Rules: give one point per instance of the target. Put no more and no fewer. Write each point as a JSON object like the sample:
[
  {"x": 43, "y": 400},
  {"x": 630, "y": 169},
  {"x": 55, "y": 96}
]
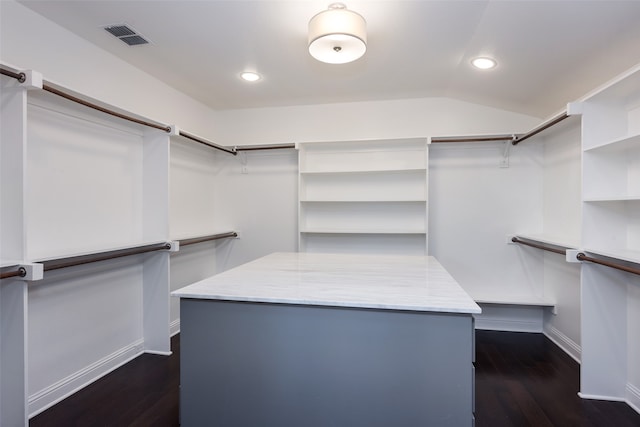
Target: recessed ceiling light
[
  {"x": 484, "y": 63},
  {"x": 250, "y": 76}
]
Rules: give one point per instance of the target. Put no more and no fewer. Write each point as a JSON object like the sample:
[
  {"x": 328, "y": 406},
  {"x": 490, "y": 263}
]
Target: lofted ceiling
[{"x": 548, "y": 52}]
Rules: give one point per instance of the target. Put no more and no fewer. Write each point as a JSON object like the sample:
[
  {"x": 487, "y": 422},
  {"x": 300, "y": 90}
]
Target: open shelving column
[
  {"x": 611, "y": 228},
  {"x": 364, "y": 196}
]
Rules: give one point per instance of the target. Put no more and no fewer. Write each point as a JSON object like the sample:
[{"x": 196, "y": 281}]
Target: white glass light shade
[
  {"x": 484, "y": 63},
  {"x": 337, "y": 35}
]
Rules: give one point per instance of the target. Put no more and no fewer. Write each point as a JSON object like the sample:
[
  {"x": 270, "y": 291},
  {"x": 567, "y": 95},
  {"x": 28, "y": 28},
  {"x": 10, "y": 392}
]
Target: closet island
[{"x": 326, "y": 339}]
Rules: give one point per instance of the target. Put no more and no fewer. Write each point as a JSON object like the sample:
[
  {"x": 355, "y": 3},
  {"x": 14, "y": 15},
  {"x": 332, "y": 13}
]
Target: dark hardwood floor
[{"x": 521, "y": 380}]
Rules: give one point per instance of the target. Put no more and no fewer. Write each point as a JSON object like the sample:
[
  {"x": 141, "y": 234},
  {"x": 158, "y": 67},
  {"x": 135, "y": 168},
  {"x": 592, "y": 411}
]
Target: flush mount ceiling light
[
  {"x": 337, "y": 35},
  {"x": 484, "y": 63},
  {"x": 250, "y": 76}
]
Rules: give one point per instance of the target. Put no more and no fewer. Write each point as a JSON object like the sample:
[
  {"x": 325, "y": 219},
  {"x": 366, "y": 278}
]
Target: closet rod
[
  {"x": 582, "y": 257},
  {"x": 207, "y": 143},
  {"x": 21, "y": 77},
  {"x": 473, "y": 138},
  {"x": 56, "y": 263},
  {"x": 20, "y": 272},
  {"x": 211, "y": 237},
  {"x": 537, "y": 130},
  {"x": 75, "y": 99},
  {"x": 535, "y": 245},
  {"x": 264, "y": 147}
]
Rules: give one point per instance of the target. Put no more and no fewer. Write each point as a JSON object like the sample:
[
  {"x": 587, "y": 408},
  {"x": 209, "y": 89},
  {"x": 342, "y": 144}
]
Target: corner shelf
[{"x": 354, "y": 193}]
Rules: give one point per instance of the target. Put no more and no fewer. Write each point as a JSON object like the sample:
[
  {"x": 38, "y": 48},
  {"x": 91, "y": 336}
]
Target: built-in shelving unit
[
  {"x": 610, "y": 228},
  {"x": 85, "y": 198},
  {"x": 363, "y": 196}
]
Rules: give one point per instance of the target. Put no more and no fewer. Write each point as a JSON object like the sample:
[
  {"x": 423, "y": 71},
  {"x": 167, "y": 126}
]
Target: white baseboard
[
  {"x": 49, "y": 396},
  {"x": 564, "y": 342},
  {"x": 602, "y": 397},
  {"x": 633, "y": 397},
  {"x": 174, "y": 327}
]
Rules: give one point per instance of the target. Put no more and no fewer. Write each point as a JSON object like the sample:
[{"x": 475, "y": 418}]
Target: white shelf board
[
  {"x": 619, "y": 144},
  {"x": 620, "y": 254},
  {"x": 564, "y": 241},
  {"x": 625, "y": 198},
  {"x": 515, "y": 300},
  {"x": 362, "y": 171},
  {"x": 361, "y": 231},
  {"x": 364, "y": 201},
  {"x": 4, "y": 263}
]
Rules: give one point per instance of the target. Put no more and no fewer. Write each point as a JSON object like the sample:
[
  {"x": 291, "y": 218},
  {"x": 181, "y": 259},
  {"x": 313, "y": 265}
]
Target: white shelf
[
  {"x": 618, "y": 144},
  {"x": 9, "y": 263},
  {"x": 361, "y": 231},
  {"x": 622, "y": 198},
  {"x": 515, "y": 300},
  {"x": 363, "y": 171},
  {"x": 388, "y": 200}
]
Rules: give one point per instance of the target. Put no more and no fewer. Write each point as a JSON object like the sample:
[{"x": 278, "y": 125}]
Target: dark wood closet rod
[
  {"x": 537, "y": 246},
  {"x": 264, "y": 147},
  {"x": 21, "y": 77},
  {"x": 192, "y": 241},
  {"x": 20, "y": 272},
  {"x": 472, "y": 138},
  {"x": 537, "y": 130},
  {"x": 515, "y": 139},
  {"x": 75, "y": 99},
  {"x": 207, "y": 143},
  {"x": 56, "y": 263},
  {"x": 582, "y": 257}
]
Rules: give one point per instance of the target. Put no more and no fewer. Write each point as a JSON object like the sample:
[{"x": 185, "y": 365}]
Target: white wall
[
  {"x": 368, "y": 120},
  {"x": 29, "y": 41},
  {"x": 262, "y": 204},
  {"x": 474, "y": 205}
]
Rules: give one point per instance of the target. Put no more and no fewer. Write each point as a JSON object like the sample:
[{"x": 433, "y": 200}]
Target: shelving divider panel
[
  {"x": 155, "y": 267},
  {"x": 13, "y": 291}
]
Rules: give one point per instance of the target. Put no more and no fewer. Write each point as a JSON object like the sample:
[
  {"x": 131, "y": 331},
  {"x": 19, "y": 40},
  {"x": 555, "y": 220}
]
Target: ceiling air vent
[{"x": 126, "y": 34}]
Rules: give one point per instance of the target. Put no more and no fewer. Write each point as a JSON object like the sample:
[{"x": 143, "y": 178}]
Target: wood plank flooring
[{"x": 521, "y": 380}]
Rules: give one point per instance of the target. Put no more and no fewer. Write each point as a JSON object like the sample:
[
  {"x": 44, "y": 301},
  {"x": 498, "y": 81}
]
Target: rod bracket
[
  {"x": 174, "y": 246},
  {"x": 32, "y": 80},
  {"x": 174, "y": 130},
  {"x": 572, "y": 255},
  {"x": 504, "y": 162},
  {"x": 33, "y": 271}
]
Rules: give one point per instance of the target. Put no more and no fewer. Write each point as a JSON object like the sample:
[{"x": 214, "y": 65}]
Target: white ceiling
[{"x": 549, "y": 52}]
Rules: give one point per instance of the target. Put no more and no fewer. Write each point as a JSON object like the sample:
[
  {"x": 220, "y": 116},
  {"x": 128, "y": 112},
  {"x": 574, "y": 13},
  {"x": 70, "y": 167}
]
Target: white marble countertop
[{"x": 394, "y": 282}]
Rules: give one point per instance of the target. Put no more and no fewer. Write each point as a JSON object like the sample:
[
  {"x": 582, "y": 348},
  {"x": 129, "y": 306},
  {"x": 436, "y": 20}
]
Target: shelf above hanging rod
[{"x": 211, "y": 237}]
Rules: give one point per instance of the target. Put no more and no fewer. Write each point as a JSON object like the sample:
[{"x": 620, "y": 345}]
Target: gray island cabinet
[{"x": 304, "y": 339}]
